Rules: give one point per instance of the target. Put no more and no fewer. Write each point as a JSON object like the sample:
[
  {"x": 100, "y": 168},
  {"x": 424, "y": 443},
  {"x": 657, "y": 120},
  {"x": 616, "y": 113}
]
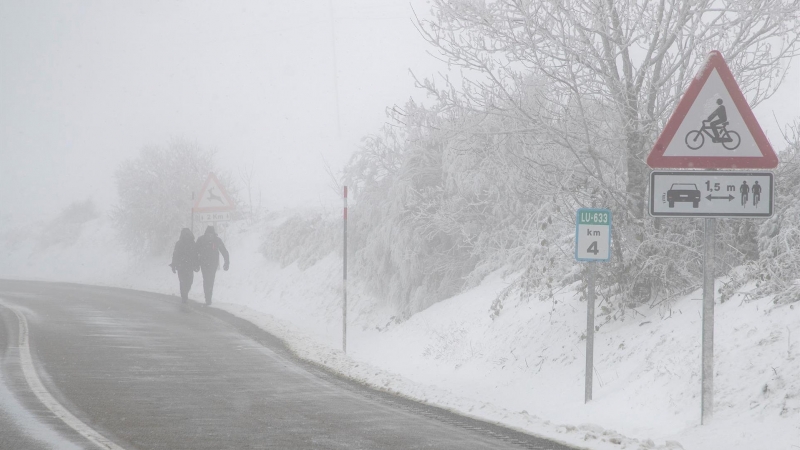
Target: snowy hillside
[{"x": 518, "y": 361}]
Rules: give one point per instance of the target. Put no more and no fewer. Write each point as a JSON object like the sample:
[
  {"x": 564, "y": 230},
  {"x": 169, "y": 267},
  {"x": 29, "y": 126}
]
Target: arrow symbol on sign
[{"x": 711, "y": 197}]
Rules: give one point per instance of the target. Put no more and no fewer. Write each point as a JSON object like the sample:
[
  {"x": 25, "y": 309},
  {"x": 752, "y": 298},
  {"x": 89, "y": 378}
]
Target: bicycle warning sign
[{"x": 713, "y": 127}]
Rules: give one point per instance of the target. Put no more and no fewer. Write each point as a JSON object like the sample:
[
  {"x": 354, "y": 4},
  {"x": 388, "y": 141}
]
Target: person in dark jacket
[
  {"x": 184, "y": 262},
  {"x": 209, "y": 246}
]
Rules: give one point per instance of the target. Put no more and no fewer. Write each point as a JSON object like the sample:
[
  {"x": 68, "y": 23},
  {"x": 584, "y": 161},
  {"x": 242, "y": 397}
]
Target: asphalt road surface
[{"x": 102, "y": 368}]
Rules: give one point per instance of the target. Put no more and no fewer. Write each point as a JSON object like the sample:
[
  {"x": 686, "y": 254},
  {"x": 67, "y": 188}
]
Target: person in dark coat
[
  {"x": 184, "y": 262},
  {"x": 209, "y": 246}
]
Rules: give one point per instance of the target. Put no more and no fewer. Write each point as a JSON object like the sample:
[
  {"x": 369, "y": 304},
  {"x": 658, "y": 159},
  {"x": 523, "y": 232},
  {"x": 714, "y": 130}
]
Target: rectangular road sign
[
  {"x": 214, "y": 216},
  {"x": 593, "y": 235},
  {"x": 711, "y": 194}
]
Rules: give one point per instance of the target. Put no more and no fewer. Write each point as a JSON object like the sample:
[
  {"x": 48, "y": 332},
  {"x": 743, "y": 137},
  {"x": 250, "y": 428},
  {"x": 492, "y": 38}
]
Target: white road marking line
[{"x": 44, "y": 395}]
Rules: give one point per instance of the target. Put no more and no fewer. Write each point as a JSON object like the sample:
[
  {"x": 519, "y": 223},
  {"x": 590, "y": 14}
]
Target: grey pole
[
  {"x": 589, "y": 331},
  {"x": 707, "y": 405}
]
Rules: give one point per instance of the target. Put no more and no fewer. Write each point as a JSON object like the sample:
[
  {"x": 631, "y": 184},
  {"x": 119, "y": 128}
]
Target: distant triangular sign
[
  {"x": 213, "y": 197},
  {"x": 712, "y": 127}
]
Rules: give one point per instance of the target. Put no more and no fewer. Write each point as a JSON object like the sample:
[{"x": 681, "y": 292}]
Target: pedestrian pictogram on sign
[
  {"x": 213, "y": 197},
  {"x": 713, "y": 127},
  {"x": 694, "y": 193}
]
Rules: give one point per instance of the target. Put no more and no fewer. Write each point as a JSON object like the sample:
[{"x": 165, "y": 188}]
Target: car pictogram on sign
[{"x": 683, "y": 192}]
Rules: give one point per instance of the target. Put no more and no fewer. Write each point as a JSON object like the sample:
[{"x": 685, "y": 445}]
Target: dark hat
[{"x": 187, "y": 234}]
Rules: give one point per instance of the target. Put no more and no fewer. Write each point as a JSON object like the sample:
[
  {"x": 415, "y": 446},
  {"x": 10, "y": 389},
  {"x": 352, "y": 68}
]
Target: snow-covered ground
[{"x": 523, "y": 368}]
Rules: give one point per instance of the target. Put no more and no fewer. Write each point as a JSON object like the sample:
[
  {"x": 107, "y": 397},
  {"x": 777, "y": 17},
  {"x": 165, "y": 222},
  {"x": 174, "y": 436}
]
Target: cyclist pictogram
[
  {"x": 715, "y": 127},
  {"x": 744, "y": 189},
  {"x": 756, "y": 193}
]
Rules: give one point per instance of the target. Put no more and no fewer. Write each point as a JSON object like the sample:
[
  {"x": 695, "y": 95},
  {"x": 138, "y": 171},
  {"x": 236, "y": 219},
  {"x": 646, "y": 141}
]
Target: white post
[
  {"x": 707, "y": 394},
  {"x": 344, "y": 277}
]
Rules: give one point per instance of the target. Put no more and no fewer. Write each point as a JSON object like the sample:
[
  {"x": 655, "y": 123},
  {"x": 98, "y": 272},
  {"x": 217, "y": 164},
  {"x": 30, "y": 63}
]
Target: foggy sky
[{"x": 85, "y": 85}]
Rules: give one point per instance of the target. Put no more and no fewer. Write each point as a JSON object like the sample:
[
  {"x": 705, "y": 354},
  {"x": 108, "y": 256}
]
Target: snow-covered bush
[
  {"x": 436, "y": 211},
  {"x": 302, "y": 238},
  {"x": 777, "y": 270},
  {"x": 155, "y": 193},
  {"x": 406, "y": 248}
]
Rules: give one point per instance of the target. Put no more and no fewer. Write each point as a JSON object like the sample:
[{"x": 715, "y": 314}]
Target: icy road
[{"x": 88, "y": 367}]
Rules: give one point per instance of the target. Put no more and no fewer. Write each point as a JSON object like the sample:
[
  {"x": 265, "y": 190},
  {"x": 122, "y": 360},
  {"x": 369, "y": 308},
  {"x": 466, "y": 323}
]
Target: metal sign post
[
  {"x": 589, "y": 382},
  {"x": 592, "y": 243},
  {"x": 707, "y": 381},
  {"x": 344, "y": 277}
]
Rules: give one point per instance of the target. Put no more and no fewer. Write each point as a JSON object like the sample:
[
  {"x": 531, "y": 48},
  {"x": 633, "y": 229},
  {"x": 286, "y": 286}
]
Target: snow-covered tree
[
  {"x": 556, "y": 106},
  {"x": 777, "y": 271},
  {"x": 155, "y": 193},
  {"x": 613, "y": 69}
]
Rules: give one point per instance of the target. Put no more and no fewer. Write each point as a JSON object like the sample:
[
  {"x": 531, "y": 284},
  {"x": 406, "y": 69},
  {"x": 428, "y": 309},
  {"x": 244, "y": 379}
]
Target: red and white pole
[{"x": 344, "y": 278}]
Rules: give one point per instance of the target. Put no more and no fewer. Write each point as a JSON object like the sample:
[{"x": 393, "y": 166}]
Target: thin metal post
[
  {"x": 707, "y": 394},
  {"x": 191, "y": 221},
  {"x": 344, "y": 278},
  {"x": 589, "y": 331}
]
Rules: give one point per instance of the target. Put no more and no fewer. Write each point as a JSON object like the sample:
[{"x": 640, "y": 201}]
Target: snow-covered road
[{"x": 123, "y": 369}]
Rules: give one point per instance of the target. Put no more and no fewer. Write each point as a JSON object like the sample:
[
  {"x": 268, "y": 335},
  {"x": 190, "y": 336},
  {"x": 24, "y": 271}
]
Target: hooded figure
[
  {"x": 184, "y": 262},
  {"x": 209, "y": 246}
]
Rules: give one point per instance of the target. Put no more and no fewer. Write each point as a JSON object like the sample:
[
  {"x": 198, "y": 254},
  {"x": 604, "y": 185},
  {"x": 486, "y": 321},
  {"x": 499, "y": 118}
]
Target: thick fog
[
  {"x": 459, "y": 280},
  {"x": 86, "y": 85},
  {"x": 283, "y": 87}
]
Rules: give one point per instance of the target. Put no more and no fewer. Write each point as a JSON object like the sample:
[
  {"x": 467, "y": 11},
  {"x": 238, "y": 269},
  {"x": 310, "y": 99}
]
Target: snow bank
[{"x": 522, "y": 368}]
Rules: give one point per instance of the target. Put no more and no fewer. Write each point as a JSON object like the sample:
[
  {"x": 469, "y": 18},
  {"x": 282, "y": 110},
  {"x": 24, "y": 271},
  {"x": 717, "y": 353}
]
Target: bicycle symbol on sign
[{"x": 714, "y": 127}]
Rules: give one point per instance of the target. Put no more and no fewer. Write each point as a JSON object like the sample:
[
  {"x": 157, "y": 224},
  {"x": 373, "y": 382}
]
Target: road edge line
[{"x": 44, "y": 396}]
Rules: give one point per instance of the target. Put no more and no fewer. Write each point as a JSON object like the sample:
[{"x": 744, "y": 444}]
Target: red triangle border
[
  {"x": 656, "y": 158},
  {"x": 196, "y": 208}
]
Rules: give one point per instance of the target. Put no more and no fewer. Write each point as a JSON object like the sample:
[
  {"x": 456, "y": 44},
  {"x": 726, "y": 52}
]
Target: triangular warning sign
[
  {"x": 213, "y": 197},
  {"x": 712, "y": 127}
]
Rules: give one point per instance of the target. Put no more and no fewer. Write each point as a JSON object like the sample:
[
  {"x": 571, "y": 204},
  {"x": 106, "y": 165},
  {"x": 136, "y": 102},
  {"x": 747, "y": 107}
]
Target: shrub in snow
[
  {"x": 412, "y": 239},
  {"x": 302, "y": 238},
  {"x": 777, "y": 270}
]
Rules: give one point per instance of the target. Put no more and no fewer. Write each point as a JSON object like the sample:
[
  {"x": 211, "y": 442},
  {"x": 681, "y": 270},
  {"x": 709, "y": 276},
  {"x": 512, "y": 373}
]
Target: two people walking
[{"x": 190, "y": 256}]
